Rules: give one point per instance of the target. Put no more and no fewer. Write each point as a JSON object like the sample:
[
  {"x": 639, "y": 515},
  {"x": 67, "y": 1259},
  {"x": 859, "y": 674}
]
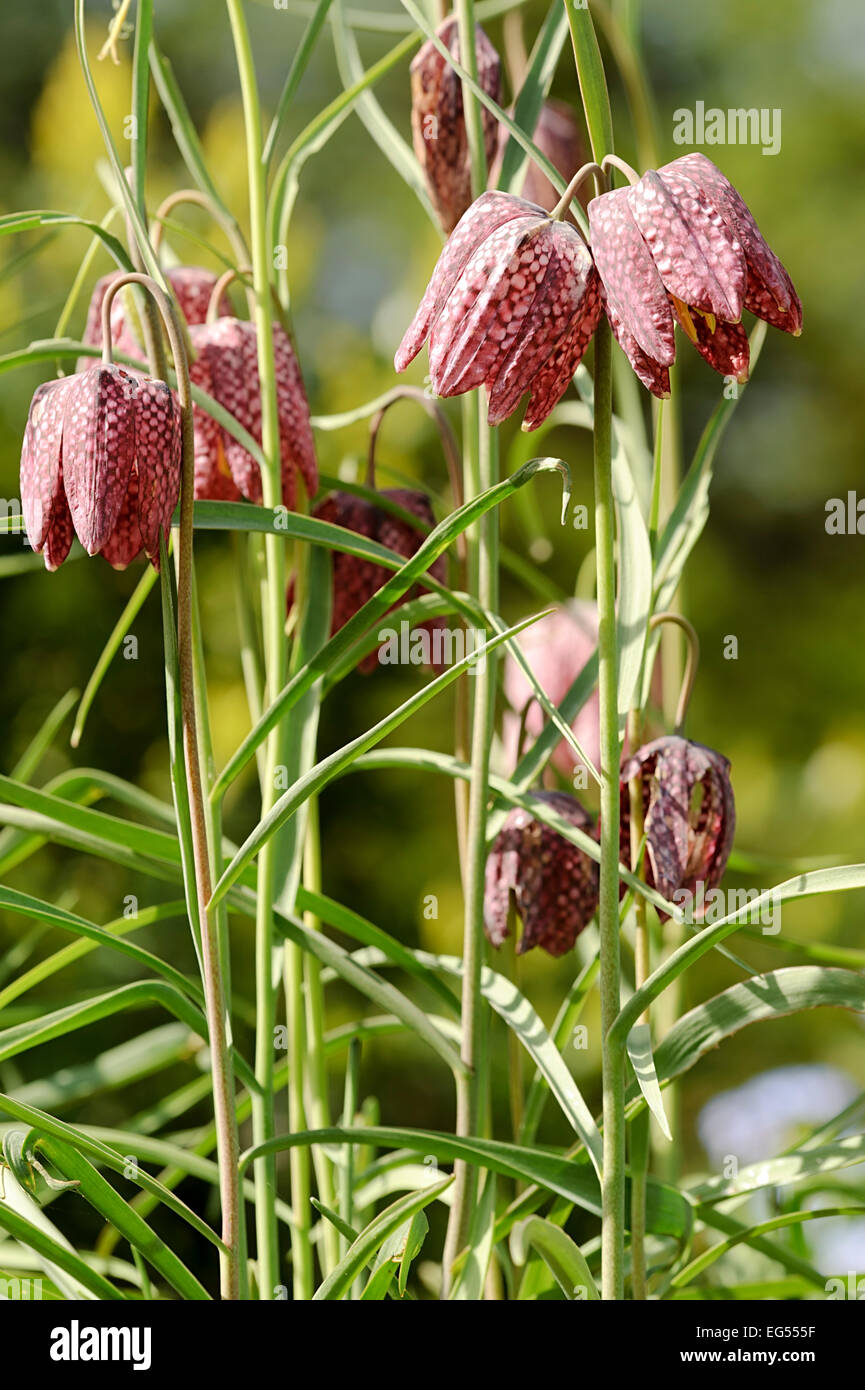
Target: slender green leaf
[
  {"x": 562, "y": 1256},
  {"x": 100, "y": 1194},
  {"x": 370, "y": 1240}
]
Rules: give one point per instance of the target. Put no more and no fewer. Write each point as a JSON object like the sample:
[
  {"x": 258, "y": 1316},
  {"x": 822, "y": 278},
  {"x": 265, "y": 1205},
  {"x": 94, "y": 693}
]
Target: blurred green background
[{"x": 788, "y": 712}]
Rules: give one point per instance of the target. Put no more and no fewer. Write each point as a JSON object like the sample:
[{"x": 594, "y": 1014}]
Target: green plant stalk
[
  {"x": 639, "y": 1131},
  {"x": 471, "y": 1090},
  {"x": 312, "y": 609},
  {"x": 480, "y": 471},
  {"x": 613, "y": 1187},
  {"x": 351, "y": 1096},
  {"x": 213, "y": 979},
  {"x": 275, "y": 647},
  {"x": 319, "y": 1101},
  {"x": 465, "y": 12}
]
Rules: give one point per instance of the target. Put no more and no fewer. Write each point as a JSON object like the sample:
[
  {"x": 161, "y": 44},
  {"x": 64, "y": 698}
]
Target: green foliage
[{"x": 384, "y": 1026}]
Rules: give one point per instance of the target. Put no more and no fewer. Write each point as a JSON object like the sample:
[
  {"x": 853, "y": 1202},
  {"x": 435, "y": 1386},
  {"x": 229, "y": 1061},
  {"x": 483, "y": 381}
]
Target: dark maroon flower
[
  {"x": 192, "y": 287},
  {"x": 512, "y": 305},
  {"x": 682, "y": 246},
  {"x": 438, "y": 123},
  {"x": 226, "y": 367},
  {"x": 555, "y": 884},
  {"x": 101, "y": 458},
  {"x": 689, "y": 832},
  {"x": 356, "y": 580}
]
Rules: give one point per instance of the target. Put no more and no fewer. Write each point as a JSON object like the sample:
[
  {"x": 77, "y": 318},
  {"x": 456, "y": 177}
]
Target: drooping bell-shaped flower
[
  {"x": 438, "y": 121},
  {"x": 192, "y": 287},
  {"x": 682, "y": 246},
  {"x": 226, "y": 367},
  {"x": 100, "y": 460},
  {"x": 556, "y": 648},
  {"x": 689, "y": 815},
  {"x": 512, "y": 304},
  {"x": 355, "y": 580},
  {"x": 553, "y": 882}
]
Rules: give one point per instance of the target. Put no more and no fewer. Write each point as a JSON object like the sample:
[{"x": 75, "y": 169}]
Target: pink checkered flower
[
  {"x": 688, "y": 838},
  {"x": 682, "y": 246},
  {"x": 553, "y": 882},
  {"x": 512, "y": 305},
  {"x": 438, "y": 122},
  {"x": 226, "y": 367},
  {"x": 100, "y": 460},
  {"x": 556, "y": 648},
  {"x": 355, "y": 580}
]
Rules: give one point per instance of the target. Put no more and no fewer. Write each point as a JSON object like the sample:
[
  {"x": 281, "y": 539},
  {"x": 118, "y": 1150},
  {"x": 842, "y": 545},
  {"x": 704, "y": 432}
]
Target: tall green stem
[
  {"x": 639, "y": 1131},
  {"x": 201, "y": 826},
  {"x": 613, "y": 1200},
  {"x": 471, "y": 1090},
  {"x": 275, "y": 662},
  {"x": 480, "y": 471}
]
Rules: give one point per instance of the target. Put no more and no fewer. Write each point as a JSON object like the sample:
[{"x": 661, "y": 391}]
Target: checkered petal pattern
[
  {"x": 512, "y": 305},
  {"x": 355, "y": 580},
  {"x": 554, "y": 884},
  {"x": 682, "y": 246},
  {"x": 226, "y": 367},
  {"x": 688, "y": 841},
  {"x": 101, "y": 460},
  {"x": 438, "y": 121}
]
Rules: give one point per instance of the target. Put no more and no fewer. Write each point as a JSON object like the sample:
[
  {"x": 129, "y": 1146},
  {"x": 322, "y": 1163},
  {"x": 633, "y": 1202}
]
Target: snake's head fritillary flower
[
  {"x": 192, "y": 287},
  {"x": 681, "y": 246},
  {"x": 355, "y": 580},
  {"x": 689, "y": 814},
  {"x": 553, "y": 882},
  {"x": 100, "y": 460},
  {"x": 438, "y": 122},
  {"x": 226, "y": 367},
  {"x": 512, "y": 304},
  {"x": 557, "y": 648}
]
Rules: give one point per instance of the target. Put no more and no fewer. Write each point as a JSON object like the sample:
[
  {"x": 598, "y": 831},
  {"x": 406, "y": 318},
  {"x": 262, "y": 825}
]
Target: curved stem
[
  {"x": 612, "y": 161},
  {"x": 226, "y": 278},
  {"x": 690, "y": 665},
  {"x": 195, "y": 198},
  {"x": 450, "y": 448},
  {"x": 218, "y": 1024},
  {"x": 587, "y": 170}
]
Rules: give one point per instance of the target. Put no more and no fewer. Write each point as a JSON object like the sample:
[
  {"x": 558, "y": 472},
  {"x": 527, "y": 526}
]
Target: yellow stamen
[
  {"x": 683, "y": 314},
  {"x": 221, "y": 460}
]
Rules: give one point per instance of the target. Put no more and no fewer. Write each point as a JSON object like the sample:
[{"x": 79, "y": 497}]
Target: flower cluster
[
  {"x": 682, "y": 247},
  {"x": 101, "y": 456},
  {"x": 689, "y": 821},
  {"x": 516, "y": 294}
]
